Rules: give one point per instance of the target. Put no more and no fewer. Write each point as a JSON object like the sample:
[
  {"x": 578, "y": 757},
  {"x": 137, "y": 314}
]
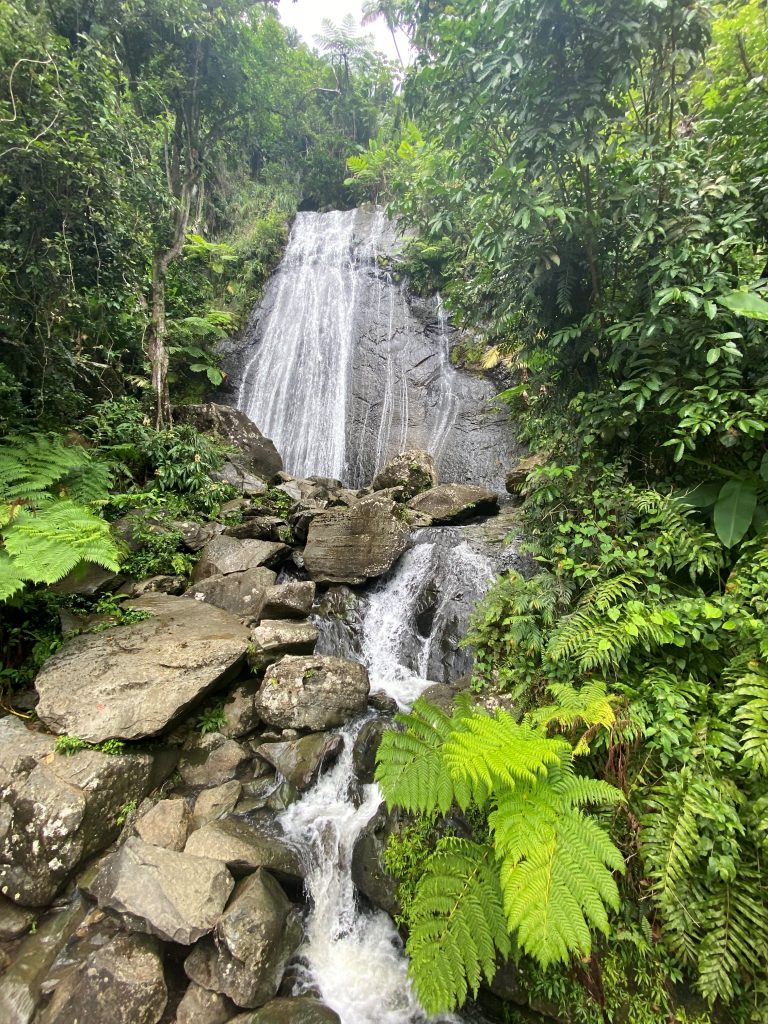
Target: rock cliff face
[{"x": 363, "y": 365}]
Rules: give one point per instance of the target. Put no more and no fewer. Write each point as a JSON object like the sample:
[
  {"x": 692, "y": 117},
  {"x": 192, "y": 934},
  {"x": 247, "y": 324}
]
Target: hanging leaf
[
  {"x": 748, "y": 304},
  {"x": 734, "y": 510}
]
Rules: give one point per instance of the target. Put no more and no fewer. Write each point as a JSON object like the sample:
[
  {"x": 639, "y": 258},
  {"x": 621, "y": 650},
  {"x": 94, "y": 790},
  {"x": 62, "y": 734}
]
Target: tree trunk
[{"x": 156, "y": 346}]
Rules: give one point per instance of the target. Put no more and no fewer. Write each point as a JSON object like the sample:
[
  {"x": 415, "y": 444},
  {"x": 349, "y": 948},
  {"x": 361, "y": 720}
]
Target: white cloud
[{"x": 307, "y": 16}]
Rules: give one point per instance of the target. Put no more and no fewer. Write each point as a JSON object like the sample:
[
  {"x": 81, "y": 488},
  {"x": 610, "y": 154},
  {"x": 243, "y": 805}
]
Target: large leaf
[
  {"x": 734, "y": 510},
  {"x": 748, "y": 304}
]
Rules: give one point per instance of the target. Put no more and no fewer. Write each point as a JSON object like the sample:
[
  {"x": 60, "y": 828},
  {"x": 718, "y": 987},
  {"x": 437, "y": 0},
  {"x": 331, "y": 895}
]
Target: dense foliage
[{"x": 589, "y": 185}]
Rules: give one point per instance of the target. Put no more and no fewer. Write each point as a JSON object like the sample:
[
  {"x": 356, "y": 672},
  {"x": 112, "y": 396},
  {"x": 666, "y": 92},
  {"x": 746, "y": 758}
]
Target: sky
[{"x": 306, "y": 16}]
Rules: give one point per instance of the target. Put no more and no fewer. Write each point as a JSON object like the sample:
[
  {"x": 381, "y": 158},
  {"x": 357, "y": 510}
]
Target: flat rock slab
[
  {"x": 274, "y": 638},
  {"x": 175, "y": 896},
  {"x": 245, "y": 847},
  {"x": 352, "y": 545},
  {"x": 289, "y": 600},
  {"x": 56, "y": 811},
  {"x": 243, "y": 594},
  {"x": 317, "y": 693},
  {"x": 224, "y": 555},
  {"x": 453, "y": 503},
  {"x": 121, "y": 983},
  {"x": 135, "y": 681}
]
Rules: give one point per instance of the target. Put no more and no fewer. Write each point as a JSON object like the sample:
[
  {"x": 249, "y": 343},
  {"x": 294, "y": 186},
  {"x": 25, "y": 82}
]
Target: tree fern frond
[
  {"x": 46, "y": 545},
  {"x": 457, "y": 924},
  {"x": 411, "y": 771},
  {"x": 749, "y": 701},
  {"x": 590, "y": 705}
]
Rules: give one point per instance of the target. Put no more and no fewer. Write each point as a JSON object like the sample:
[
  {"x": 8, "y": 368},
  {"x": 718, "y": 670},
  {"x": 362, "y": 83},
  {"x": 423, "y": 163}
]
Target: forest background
[{"x": 586, "y": 183}]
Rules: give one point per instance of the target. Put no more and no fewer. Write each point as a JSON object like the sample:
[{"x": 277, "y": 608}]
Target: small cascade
[
  {"x": 406, "y": 632},
  {"x": 344, "y": 368}
]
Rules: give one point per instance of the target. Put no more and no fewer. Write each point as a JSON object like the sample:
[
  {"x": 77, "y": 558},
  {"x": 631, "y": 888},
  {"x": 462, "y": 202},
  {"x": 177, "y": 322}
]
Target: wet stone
[
  {"x": 212, "y": 759},
  {"x": 200, "y": 1006},
  {"x": 300, "y": 761},
  {"x": 244, "y": 847},
  {"x": 215, "y": 803},
  {"x": 297, "y": 1010}
]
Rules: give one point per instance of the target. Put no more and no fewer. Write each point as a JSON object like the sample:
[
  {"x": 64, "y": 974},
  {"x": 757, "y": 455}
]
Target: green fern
[
  {"x": 750, "y": 709},
  {"x": 552, "y": 865},
  {"x": 47, "y": 527},
  {"x": 457, "y": 924}
]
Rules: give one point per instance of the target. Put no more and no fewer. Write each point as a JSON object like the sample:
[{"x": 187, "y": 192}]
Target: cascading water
[
  {"x": 343, "y": 368},
  {"x": 354, "y": 956}
]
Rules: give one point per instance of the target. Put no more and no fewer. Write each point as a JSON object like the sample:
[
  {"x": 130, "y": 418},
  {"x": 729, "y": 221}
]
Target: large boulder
[
  {"x": 296, "y": 1010},
  {"x": 274, "y": 638},
  {"x": 244, "y": 847},
  {"x": 289, "y": 600},
  {"x": 216, "y": 802},
  {"x": 413, "y": 470},
  {"x": 224, "y": 555},
  {"x": 251, "y": 944},
  {"x": 453, "y": 503},
  {"x": 368, "y": 871},
  {"x": 517, "y": 476},
  {"x": 300, "y": 761},
  {"x": 135, "y": 681},
  {"x": 257, "y": 454},
  {"x": 199, "y": 1006},
  {"x": 352, "y": 545},
  {"x": 175, "y": 896},
  {"x": 166, "y": 824},
  {"x": 241, "y": 593},
  {"x": 316, "y": 693},
  {"x": 57, "y": 810},
  {"x": 122, "y": 983},
  {"x": 366, "y": 747},
  {"x": 213, "y": 759}
]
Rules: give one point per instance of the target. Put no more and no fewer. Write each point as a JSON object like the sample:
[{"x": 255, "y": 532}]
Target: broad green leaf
[
  {"x": 702, "y": 496},
  {"x": 748, "y": 304},
  {"x": 734, "y": 510}
]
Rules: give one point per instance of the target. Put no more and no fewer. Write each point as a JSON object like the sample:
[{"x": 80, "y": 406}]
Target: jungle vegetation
[{"x": 586, "y": 183}]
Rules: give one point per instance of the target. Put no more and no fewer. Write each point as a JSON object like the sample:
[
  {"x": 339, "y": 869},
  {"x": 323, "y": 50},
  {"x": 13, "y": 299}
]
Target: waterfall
[
  {"x": 409, "y": 623},
  {"x": 344, "y": 368}
]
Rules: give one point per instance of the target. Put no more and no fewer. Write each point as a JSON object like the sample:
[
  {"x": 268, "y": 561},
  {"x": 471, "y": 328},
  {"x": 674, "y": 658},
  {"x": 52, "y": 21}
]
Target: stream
[{"x": 343, "y": 368}]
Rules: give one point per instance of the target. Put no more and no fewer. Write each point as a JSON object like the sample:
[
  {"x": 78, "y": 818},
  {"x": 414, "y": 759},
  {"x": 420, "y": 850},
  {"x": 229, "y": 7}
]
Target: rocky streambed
[{"x": 213, "y": 854}]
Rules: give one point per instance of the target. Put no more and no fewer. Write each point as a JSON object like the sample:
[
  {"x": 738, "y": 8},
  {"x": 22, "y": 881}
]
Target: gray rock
[
  {"x": 316, "y": 693},
  {"x": 251, "y": 945},
  {"x": 244, "y": 846},
  {"x": 274, "y": 638},
  {"x": 300, "y": 761},
  {"x": 195, "y": 536},
  {"x": 240, "y": 714},
  {"x": 366, "y": 747},
  {"x": 13, "y": 920},
  {"x": 269, "y": 793},
  {"x": 368, "y": 871},
  {"x": 380, "y": 701},
  {"x": 453, "y": 503},
  {"x": 224, "y": 555},
  {"x": 241, "y": 593},
  {"x": 215, "y": 803},
  {"x": 56, "y": 810},
  {"x": 352, "y": 545},
  {"x": 199, "y": 1006},
  {"x": 122, "y": 983},
  {"x": 212, "y": 759},
  {"x": 517, "y": 476},
  {"x": 155, "y": 585},
  {"x": 289, "y": 601},
  {"x": 135, "y": 681},
  {"x": 295, "y": 1010},
  {"x": 88, "y": 579},
  {"x": 413, "y": 470},
  {"x": 167, "y": 824},
  {"x": 21, "y": 985},
  {"x": 175, "y": 896},
  {"x": 258, "y": 528},
  {"x": 257, "y": 454}
]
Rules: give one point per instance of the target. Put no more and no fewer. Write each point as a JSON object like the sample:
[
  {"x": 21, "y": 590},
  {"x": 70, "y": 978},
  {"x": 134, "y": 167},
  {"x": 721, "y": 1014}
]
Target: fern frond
[
  {"x": 46, "y": 545},
  {"x": 749, "y": 701},
  {"x": 10, "y": 580},
  {"x": 35, "y": 468},
  {"x": 556, "y": 864},
  {"x": 590, "y": 705},
  {"x": 681, "y": 541},
  {"x": 411, "y": 771},
  {"x": 457, "y": 924},
  {"x": 488, "y": 753}
]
